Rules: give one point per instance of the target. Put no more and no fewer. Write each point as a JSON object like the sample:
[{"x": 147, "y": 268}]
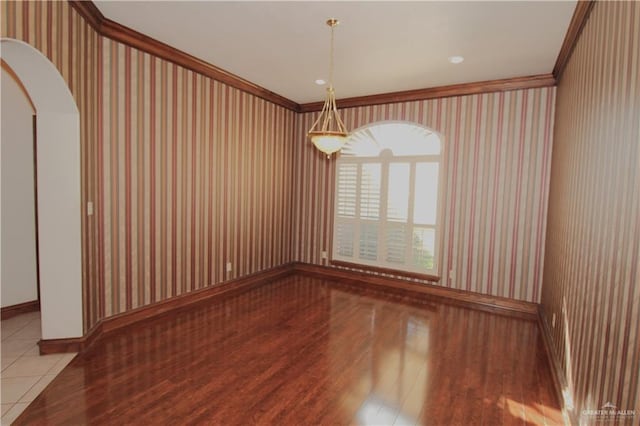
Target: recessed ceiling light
[
  {"x": 456, "y": 59},
  {"x": 320, "y": 82}
]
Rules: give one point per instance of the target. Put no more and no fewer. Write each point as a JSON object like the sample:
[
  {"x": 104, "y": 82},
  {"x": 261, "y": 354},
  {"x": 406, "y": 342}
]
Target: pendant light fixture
[{"x": 329, "y": 133}]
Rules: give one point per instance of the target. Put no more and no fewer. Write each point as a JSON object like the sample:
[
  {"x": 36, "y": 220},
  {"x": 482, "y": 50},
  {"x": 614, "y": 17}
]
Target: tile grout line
[
  {"x": 11, "y": 404},
  {"x": 22, "y": 355},
  {"x": 15, "y": 332}
]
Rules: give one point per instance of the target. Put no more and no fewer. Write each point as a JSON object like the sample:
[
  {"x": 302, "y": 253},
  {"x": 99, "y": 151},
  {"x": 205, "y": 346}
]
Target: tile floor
[{"x": 25, "y": 373}]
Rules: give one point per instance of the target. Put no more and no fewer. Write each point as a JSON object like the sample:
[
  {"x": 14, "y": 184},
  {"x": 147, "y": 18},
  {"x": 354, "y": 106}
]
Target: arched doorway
[{"x": 59, "y": 194}]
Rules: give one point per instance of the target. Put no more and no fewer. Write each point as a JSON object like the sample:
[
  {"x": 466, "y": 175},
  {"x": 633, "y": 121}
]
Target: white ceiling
[{"x": 380, "y": 46}]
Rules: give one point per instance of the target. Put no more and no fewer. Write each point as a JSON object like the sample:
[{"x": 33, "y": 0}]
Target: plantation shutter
[{"x": 386, "y": 207}]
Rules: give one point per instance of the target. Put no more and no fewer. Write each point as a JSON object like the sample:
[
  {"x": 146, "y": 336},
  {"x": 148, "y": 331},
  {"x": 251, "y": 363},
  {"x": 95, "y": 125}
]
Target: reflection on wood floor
[{"x": 301, "y": 350}]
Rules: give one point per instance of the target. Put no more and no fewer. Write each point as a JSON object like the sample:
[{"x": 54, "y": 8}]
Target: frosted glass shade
[{"x": 328, "y": 142}]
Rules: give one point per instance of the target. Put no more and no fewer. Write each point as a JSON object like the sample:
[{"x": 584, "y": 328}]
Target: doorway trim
[{"x": 59, "y": 189}]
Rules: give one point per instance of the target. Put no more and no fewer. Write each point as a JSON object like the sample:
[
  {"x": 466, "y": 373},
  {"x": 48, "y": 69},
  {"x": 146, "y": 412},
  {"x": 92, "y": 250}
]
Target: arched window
[{"x": 387, "y": 198}]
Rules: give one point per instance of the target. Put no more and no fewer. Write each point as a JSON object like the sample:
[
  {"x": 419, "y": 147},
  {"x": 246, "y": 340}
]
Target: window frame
[{"x": 386, "y": 161}]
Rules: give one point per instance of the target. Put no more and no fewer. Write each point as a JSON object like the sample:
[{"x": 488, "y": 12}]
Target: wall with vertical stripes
[
  {"x": 186, "y": 173},
  {"x": 193, "y": 174},
  {"x": 592, "y": 266},
  {"x": 497, "y": 154}
]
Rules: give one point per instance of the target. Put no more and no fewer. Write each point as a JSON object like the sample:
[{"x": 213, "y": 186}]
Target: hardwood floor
[{"x": 301, "y": 350}]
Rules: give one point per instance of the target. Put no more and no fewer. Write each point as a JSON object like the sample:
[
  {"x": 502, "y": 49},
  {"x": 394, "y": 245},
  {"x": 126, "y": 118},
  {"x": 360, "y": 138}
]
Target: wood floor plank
[{"x": 302, "y": 350}]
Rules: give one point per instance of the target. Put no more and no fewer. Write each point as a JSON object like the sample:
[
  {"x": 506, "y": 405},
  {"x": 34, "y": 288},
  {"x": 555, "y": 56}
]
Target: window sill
[{"x": 396, "y": 272}]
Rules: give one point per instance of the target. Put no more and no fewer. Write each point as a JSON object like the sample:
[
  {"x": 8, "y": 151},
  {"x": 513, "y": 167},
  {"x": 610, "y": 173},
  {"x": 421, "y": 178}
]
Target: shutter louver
[
  {"x": 370, "y": 191},
  {"x": 368, "y": 241},
  {"x": 396, "y": 244},
  {"x": 344, "y": 239},
  {"x": 347, "y": 190}
]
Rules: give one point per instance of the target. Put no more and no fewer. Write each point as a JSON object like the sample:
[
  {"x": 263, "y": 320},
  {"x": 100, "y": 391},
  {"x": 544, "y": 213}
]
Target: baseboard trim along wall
[
  {"x": 557, "y": 374},
  {"x": 20, "y": 308},
  {"x": 125, "y": 319},
  {"x": 493, "y": 304},
  {"x": 73, "y": 344}
]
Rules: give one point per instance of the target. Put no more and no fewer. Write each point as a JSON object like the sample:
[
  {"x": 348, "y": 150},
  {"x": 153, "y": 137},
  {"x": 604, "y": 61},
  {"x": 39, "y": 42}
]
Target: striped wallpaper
[
  {"x": 497, "y": 151},
  {"x": 592, "y": 268},
  {"x": 193, "y": 174},
  {"x": 186, "y": 173}
]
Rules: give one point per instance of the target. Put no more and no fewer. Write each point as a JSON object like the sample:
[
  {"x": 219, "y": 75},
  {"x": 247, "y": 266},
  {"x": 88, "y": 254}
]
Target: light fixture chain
[
  {"x": 328, "y": 132},
  {"x": 331, "y": 59}
]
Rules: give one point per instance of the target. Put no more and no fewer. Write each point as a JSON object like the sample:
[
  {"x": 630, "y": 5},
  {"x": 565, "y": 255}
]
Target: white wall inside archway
[
  {"x": 19, "y": 264},
  {"x": 59, "y": 198}
]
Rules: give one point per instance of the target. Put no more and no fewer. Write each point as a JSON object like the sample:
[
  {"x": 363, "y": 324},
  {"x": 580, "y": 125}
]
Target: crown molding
[
  {"x": 90, "y": 12},
  {"x": 120, "y": 33},
  {"x": 534, "y": 81},
  {"x": 579, "y": 19},
  {"x": 111, "y": 29}
]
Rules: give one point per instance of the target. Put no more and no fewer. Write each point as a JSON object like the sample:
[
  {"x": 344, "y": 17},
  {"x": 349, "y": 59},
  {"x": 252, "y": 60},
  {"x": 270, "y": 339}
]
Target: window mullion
[
  {"x": 382, "y": 220},
  {"x": 358, "y": 221},
  {"x": 409, "y": 229}
]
